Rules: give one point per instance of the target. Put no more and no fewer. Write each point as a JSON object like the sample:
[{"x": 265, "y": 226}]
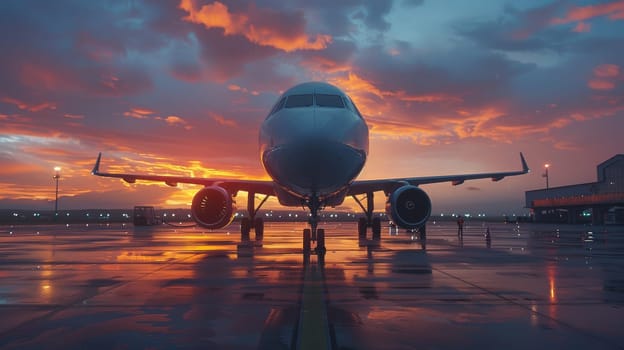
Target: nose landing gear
[{"x": 314, "y": 234}]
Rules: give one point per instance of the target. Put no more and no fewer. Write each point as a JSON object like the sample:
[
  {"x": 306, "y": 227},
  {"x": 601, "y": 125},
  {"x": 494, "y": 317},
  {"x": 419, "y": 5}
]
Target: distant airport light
[
  {"x": 545, "y": 174},
  {"x": 56, "y": 177}
]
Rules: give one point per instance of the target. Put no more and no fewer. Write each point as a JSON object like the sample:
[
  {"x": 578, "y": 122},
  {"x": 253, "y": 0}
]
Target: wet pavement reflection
[{"x": 116, "y": 286}]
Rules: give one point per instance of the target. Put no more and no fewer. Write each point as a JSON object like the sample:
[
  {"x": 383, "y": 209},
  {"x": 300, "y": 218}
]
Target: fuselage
[{"x": 313, "y": 144}]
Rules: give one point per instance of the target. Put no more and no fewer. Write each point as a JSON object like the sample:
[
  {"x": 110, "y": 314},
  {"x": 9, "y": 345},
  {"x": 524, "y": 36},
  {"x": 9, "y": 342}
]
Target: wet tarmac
[{"x": 120, "y": 287}]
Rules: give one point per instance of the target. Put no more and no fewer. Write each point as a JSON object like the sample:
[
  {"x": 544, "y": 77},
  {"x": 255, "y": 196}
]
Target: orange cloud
[
  {"x": 429, "y": 98},
  {"x": 566, "y": 146},
  {"x": 598, "y": 84},
  {"x": 12, "y": 168},
  {"x": 372, "y": 100},
  {"x": 37, "y": 76},
  {"x": 613, "y": 10},
  {"x": 138, "y": 113},
  {"x": 174, "y": 120},
  {"x": 73, "y": 116},
  {"x": 607, "y": 70},
  {"x": 234, "y": 87},
  {"x": 604, "y": 77},
  {"x": 29, "y": 107},
  {"x": 582, "y": 27},
  {"x": 458, "y": 122},
  {"x": 217, "y": 15},
  {"x": 221, "y": 120}
]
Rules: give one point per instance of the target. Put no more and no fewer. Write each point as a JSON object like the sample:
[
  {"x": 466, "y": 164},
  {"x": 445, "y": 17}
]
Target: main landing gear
[
  {"x": 314, "y": 234},
  {"x": 247, "y": 223},
  {"x": 368, "y": 221}
]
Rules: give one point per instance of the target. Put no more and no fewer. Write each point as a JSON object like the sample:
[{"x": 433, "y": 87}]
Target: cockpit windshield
[
  {"x": 295, "y": 101},
  {"x": 318, "y": 100},
  {"x": 323, "y": 100}
]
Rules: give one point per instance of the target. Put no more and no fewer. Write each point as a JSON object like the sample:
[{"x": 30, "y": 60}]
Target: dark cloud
[
  {"x": 340, "y": 18},
  {"x": 516, "y": 30},
  {"x": 475, "y": 78},
  {"x": 226, "y": 57},
  {"x": 413, "y": 2},
  {"x": 337, "y": 56}
]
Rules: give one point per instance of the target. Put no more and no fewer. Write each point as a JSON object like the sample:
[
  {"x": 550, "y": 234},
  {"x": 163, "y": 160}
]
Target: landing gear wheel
[
  {"x": 376, "y": 229},
  {"x": 307, "y": 236},
  {"x": 320, "y": 241},
  {"x": 245, "y": 228},
  {"x": 362, "y": 228},
  {"x": 259, "y": 228}
]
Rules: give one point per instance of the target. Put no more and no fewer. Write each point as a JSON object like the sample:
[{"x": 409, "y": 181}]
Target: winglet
[
  {"x": 96, "y": 167},
  {"x": 525, "y": 167}
]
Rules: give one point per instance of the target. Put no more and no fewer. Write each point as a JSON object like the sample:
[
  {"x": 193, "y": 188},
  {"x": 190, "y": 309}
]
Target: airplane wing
[
  {"x": 389, "y": 185},
  {"x": 232, "y": 185}
]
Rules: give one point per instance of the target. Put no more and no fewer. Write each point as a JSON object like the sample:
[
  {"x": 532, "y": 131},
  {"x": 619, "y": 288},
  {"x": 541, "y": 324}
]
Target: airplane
[{"x": 313, "y": 144}]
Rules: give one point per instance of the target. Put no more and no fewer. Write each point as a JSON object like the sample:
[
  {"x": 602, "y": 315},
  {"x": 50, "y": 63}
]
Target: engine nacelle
[
  {"x": 408, "y": 207},
  {"x": 213, "y": 207}
]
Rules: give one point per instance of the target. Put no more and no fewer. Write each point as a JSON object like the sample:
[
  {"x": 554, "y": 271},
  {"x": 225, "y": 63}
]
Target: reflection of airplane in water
[{"x": 313, "y": 144}]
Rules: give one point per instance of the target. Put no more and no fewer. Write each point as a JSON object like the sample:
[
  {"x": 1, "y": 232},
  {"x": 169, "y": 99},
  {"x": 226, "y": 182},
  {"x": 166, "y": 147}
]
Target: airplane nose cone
[
  {"x": 338, "y": 125},
  {"x": 314, "y": 164}
]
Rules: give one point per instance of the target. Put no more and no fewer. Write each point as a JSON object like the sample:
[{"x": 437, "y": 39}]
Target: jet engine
[
  {"x": 213, "y": 207},
  {"x": 408, "y": 207}
]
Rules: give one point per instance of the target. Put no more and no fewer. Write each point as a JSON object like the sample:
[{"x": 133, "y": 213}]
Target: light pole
[
  {"x": 56, "y": 177},
  {"x": 546, "y": 166}
]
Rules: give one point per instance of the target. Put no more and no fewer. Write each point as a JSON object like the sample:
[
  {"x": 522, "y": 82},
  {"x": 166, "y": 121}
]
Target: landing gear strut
[
  {"x": 247, "y": 223},
  {"x": 314, "y": 233},
  {"x": 368, "y": 221}
]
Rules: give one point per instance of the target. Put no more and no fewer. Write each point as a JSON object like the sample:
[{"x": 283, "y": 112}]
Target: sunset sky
[{"x": 181, "y": 87}]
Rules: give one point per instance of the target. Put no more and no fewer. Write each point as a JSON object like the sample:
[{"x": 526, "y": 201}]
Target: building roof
[{"x": 607, "y": 163}]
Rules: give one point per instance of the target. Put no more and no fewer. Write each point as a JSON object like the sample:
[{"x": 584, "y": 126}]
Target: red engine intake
[{"x": 213, "y": 207}]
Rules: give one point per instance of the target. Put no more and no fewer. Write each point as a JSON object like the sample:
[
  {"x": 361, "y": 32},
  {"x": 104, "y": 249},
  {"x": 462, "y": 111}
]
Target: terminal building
[{"x": 600, "y": 202}]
